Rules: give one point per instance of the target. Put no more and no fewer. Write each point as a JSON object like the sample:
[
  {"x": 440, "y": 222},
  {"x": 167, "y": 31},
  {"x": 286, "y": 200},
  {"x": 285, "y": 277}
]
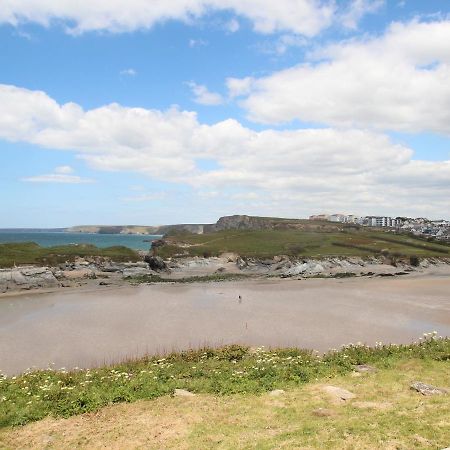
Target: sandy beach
[{"x": 85, "y": 328}]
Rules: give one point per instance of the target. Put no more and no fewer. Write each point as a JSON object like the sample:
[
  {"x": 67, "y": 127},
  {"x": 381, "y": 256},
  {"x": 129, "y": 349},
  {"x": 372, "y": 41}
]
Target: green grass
[
  {"x": 307, "y": 243},
  {"x": 386, "y": 414},
  {"x": 229, "y": 370},
  {"x": 32, "y": 253}
]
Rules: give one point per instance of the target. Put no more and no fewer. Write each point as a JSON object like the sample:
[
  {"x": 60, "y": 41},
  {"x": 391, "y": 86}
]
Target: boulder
[
  {"x": 241, "y": 263},
  {"x": 427, "y": 389},
  {"x": 277, "y": 392},
  {"x": 364, "y": 368},
  {"x": 183, "y": 393},
  {"x": 26, "y": 278},
  {"x": 155, "y": 263},
  {"x": 338, "y": 393}
]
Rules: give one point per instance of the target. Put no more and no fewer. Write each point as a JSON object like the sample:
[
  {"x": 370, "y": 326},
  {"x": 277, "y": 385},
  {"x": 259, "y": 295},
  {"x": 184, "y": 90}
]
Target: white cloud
[
  {"x": 287, "y": 41},
  {"x": 357, "y": 10},
  {"x": 293, "y": 171},
  {"x": 399, "y": 81},
  {"x": 152, "y": 196},
  {"x": 232, "y": 26},
  {"x": 65, "y": 170},
  {"x": 306, "y": 17},
  {"x": 203, "y": 96},
  {"x": 238, "y": 87},
  {"x": 197, "y": 43},
  {"x": 208, "y": 194},
  {"x": 246, "y": 196},
  {"x": 61, "y": 175},
  {"x": 128, "y": 72},
  {"x": 281, "y": 44}
]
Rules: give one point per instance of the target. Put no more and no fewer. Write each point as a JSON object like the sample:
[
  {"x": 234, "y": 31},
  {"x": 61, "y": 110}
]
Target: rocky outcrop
[
  {"x": 241, "y": 222},
  {"x": 427, "y": 389},
  {"x": 70, "y": 274},
  {"x": 338, "y": 394},
  {"x": 244, "y": 222},
  {"x": 181, "y": 228},
  {"x": 27, "y": 278},
  {"x": 155, "y": 263},
  {"x": 288, "y": 267}
]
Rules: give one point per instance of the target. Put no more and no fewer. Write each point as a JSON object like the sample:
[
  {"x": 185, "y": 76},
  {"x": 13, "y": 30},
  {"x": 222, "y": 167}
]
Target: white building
[
  {"x": 337, "y": 218},
  {"x": 382, "y": 221}
]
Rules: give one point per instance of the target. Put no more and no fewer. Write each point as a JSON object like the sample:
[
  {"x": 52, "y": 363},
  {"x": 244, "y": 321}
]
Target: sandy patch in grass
[{"x": 145, "y": 424}]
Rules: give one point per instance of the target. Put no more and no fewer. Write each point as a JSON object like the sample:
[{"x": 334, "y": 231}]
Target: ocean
[{"x": 49, "y": 239}]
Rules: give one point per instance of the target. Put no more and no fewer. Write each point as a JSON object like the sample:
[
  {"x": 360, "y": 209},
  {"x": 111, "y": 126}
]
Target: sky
[{"x": 181, "y": 111}]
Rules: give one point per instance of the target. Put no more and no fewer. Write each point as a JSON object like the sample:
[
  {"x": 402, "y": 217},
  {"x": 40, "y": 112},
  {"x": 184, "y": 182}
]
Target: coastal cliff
[{"x": 234, "y": 222}]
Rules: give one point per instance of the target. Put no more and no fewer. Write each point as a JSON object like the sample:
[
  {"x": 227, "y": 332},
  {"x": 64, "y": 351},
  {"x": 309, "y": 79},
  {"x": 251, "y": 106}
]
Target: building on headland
[
  {"x": 433, "y": 229},
  {"x": 341, "y": 218},
  {"x": 382, "y": 221},
  {"x": 337, "y": 218},
  {"x": 320, "y": 217}
]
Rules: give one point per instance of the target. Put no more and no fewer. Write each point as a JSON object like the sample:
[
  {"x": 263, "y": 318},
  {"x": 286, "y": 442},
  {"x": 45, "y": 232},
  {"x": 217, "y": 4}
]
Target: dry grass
[{"x": 386, "y": 414}]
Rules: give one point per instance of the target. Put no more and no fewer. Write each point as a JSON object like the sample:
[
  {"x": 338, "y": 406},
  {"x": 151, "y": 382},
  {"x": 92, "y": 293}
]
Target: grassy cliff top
[
  {"x": 310, "y": 242},
  {"x": 31, "y": 253},
  {"x": 232, "y": 403}
]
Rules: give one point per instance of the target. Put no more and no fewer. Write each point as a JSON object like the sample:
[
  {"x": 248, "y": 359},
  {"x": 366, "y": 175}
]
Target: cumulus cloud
[
  {"x": 282, "y": 44},
  {"x": 238, "y": 87},
  {"x": 306, "y": 17},
  {"x": 304, "y": 169},
  {"x": 398, "y": 81},
  {"x": 357, "y": 10},
  {"x": 203, "y": 96}
]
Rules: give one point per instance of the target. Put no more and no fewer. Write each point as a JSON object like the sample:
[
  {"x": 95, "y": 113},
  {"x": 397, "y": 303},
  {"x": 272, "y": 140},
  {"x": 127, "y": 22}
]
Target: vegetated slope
[
  {"x": 308, "y": 242},
  {"x": 31, "y": 253},
  {"x": 237, "y": 222},
  {"x": 232, "y": 404},
  {"x": 385, "y": 414}
]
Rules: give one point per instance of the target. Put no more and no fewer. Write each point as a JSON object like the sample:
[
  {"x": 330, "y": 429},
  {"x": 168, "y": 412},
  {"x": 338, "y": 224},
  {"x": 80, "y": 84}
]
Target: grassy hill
[
  {"x": 32, "y": 253},
  {"x": 309, "y": 241},
  {"x": 232, "y": 407}
]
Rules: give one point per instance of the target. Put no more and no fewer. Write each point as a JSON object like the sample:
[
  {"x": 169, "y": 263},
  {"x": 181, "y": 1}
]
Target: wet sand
[{"x": 91, "y": 328}]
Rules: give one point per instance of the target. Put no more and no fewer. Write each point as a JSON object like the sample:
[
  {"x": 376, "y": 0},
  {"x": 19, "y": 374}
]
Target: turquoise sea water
[{"x": 49, "y": 239}]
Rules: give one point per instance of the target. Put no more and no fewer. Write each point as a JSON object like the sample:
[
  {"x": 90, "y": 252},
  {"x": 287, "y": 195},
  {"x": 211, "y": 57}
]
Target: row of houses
[
  {"x": 370, "y": 221},
  {"x": 439, "y": 229}
]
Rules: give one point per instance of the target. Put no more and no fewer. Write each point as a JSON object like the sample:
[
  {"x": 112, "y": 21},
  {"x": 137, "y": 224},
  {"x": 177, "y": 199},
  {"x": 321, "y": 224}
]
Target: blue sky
[{"x": 117, "y": 115}]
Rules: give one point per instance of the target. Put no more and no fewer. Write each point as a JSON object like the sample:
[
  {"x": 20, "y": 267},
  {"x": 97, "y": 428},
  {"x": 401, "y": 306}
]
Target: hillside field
[
  {"x": 301, "y": 242},
  {"x": 31, "y": 253}
]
